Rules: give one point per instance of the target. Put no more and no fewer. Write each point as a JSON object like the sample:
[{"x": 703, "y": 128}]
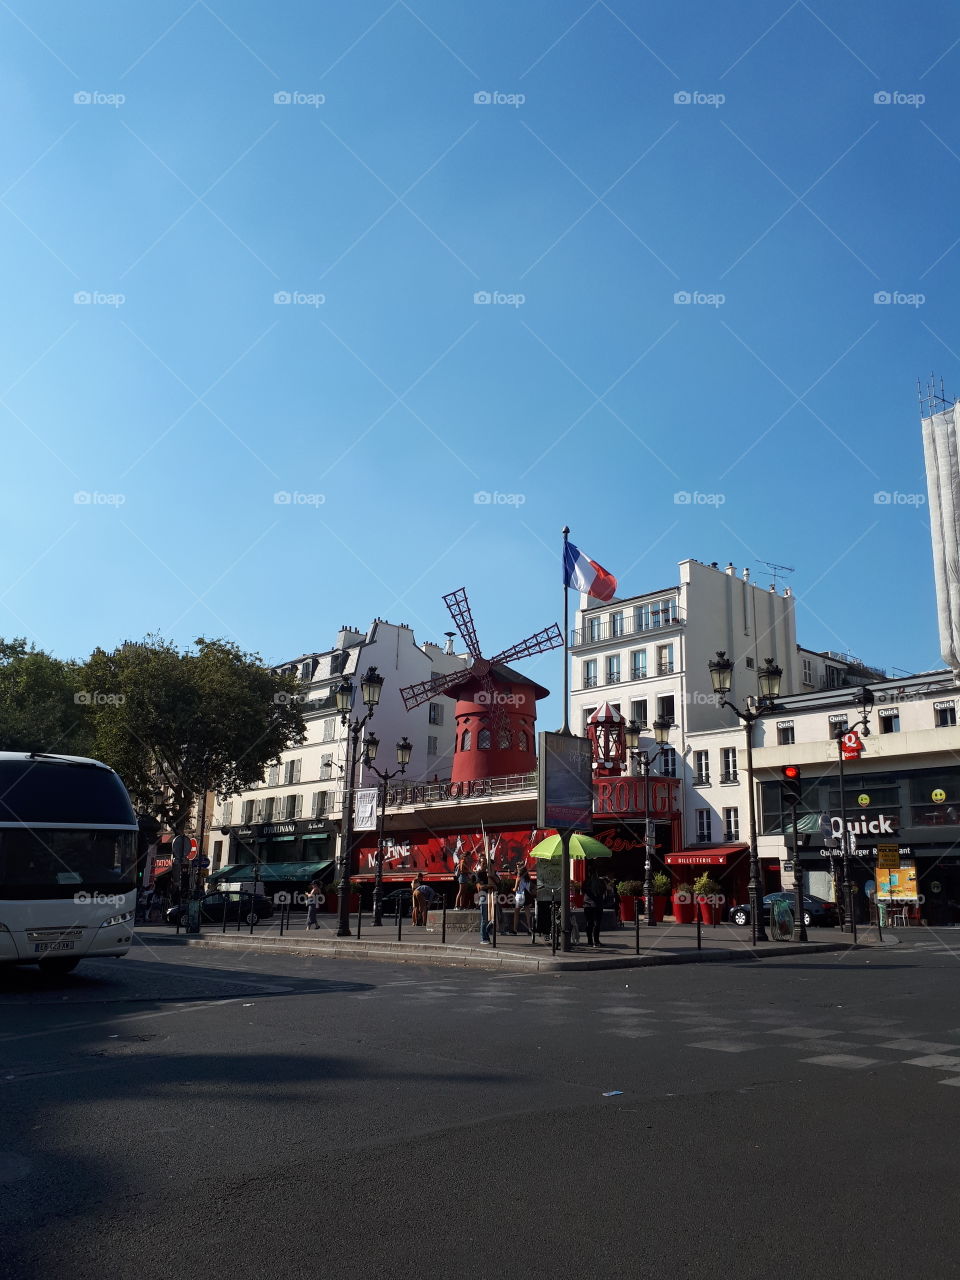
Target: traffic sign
[
  {"x": 180, "y": 847},
  {"x": 204, "y": 862},
  {"x": 193, "y": 850},
  {"x": 888, "y": 857}
]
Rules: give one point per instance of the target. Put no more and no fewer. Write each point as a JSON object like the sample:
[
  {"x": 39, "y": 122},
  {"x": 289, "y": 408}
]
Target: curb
[{"x": 470, "y": 957}]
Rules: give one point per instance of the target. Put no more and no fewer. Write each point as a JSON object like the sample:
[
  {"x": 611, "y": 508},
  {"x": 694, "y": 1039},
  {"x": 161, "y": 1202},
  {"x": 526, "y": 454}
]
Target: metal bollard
[
  {"x": 699, "y": 940},
  {"x": 239, "y": 912},
  {"x": 553, "y": 921},
  {"x": 399, "y": 916},
  {"x": 223, "y": 922},
  {"x": 443, "y": 917},
  {"x": 636, "y": 922},
  {"x": 359, "y": 916}
]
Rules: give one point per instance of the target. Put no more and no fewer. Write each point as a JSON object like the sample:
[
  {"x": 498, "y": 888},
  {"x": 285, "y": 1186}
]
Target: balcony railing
[{"x": 598, "y": 632}]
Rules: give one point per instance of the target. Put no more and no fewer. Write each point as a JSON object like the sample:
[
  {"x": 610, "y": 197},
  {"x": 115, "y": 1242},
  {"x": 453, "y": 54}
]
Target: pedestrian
[
  {"x": 314, "y": 894},
  {"x": 522, "y": 900},
  {"x": 485, "y": 894},
  {"x": 422, "y": 896},
  {"x": 594, "y": 891},
  {"x": 463, "y": 883}
]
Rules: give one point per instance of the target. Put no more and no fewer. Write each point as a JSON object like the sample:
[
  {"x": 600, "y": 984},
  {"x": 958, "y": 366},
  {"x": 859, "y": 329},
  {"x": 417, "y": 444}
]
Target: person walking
[
  {"x": 485, "y": 895},
  {"x": 594, "y": 890},
  {"x": 314, "y": 894},
  {"x": 522, "y": 900}
]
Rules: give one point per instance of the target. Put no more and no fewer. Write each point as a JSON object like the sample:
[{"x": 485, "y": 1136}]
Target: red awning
[{"x": 722, "y": 856}]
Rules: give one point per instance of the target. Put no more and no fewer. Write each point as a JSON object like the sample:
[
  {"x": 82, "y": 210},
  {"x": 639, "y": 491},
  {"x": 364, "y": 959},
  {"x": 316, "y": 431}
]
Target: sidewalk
[{"x": 666, "y": 944}]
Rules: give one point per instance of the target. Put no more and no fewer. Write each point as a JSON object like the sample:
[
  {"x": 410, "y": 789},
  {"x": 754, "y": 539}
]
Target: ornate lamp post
[
  {"x": 867, "y": 701},
  {"x": 404, "y": 752},
  {"x": 768, "y": 680},
  {"x": 661, "y": 732},
  {"x": 370, "y": 687}
]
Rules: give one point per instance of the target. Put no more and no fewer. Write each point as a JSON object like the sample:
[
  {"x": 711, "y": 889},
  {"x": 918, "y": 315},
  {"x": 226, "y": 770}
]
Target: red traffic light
[{"x": 791, "y": 771}]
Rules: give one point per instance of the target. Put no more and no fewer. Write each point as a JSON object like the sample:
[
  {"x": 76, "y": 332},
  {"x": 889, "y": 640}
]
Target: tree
[
  {"x": 43, "y": 704},
  {"x": 178, "y": 724}
]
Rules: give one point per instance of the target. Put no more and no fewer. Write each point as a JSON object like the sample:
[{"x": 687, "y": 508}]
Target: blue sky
[{"x": 775, "y": 191}]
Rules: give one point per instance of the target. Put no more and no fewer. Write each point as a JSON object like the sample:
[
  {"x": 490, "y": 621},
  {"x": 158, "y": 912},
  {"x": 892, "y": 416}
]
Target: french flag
[{"x": 586, "y": 575}]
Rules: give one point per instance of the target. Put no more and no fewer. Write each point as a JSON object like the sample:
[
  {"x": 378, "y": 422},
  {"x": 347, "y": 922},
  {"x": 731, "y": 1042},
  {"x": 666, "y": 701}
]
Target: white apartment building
[
  {"x": 293, "y": 816},
  {"x": 648, "y": 655}
]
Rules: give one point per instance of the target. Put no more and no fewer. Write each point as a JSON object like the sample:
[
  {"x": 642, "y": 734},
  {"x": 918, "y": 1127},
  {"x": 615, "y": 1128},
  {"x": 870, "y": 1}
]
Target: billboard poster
[
  {"x": 900, "y": 884},
  {"x": 365, "y": 810},
  {"x": 565, "y": 782}
]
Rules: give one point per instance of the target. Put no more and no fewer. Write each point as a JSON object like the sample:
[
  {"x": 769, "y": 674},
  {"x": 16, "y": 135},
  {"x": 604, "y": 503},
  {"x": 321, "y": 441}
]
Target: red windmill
[{"x": 496, "y": 707}]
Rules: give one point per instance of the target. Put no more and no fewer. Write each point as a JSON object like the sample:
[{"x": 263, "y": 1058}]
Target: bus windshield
[
  {"x": 51, "y": 862},
  {"x": 38, "y": 790}
]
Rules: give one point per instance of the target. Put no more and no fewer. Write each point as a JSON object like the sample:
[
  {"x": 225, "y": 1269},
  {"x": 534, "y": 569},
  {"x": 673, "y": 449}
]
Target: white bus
[{"x": 68, "y": 861}]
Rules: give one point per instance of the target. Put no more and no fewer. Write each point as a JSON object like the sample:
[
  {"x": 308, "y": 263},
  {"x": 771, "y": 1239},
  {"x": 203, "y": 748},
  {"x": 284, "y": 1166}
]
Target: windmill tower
[{"x": 496, "y": 707}]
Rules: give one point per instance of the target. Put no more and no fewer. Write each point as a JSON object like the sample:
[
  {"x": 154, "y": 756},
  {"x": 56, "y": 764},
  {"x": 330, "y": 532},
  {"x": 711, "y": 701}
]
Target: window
[
  {"x": 664, "y": 659},
  {"x": 616, "y": 624},
  {"x": 217, "y": 854},
  {"x": 273, "y": 777},
  {"x": 731, "y": 824},
  {"x": 728, "y": 766},
  {"x": 436, "y": 713},
  {"x": 807, "y": 675},
  {"x": 890, "y": 720},
  {"x": 638, "y": 712},
  {"x": 267, "y": 807},
  {"x": 587, "y": 713},
  {"x": 594, "y": 628},
  {"x": 945, "y": 714},
  {"x": 431, "y": 745},
  {"x": 665, "y": 707},
  {"x": 292, "y": 806},
  {"x": 638, "y": 664},
  {"x": 668, "y": 763},
  {"x": 503, "y": 740},
  {"x": 785, "y": 734},
  {"x": 466, "y": 740},
  {"x": 319, "y": 806},
  {"x": 704, "y": 826},
  {"x": 306, "y": 671},
  {"x": 326, "y": 766},
  {"x": 701, "y": 764},
  {"x": 227, "y": 813},
  {"x": 590, "y": 674},
  {"x": 613, "y": 668},
  {"x": 641, "y": 618},
  {"x": 247, "y": 814},
  {"x": 750, "y": 664},
  {"x": 662, "y": 613},
  {"x": 291, "y": 772},
  {"x": 328, "y": 729},
  {"x": 838, "y": 725},
  {"x": 259, "y": 809},
  {"x": 834, "y": 677},
  {"x": 483, "y": 740},
  {"x": 521, "y": 741}
]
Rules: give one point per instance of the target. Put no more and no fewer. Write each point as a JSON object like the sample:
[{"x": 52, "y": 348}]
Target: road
[{"x": 183, "y": 1112}]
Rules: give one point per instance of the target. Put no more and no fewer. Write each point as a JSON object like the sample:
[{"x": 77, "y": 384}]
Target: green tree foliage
[
  {"x": 42, "y": 705},
  {"x": 175, "y": 724}
]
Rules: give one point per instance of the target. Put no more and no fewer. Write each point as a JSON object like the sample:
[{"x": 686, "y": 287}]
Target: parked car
[
  {"x": 214, "y": 906},
  {"x": 402, "y": 896},
  {"x": 816, "y": 911}
]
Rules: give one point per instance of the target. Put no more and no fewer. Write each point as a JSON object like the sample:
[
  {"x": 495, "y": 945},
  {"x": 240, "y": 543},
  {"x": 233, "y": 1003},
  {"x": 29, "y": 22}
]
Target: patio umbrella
[{"x": 580, "y": 847}]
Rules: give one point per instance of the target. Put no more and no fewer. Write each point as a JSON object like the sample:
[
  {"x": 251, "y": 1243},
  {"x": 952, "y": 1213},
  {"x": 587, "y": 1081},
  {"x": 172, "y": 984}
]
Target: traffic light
[{"x": 791, "y": 784}]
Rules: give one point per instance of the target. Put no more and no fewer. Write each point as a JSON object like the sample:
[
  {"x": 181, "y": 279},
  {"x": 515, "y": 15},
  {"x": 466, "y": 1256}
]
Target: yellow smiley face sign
[
  {"x": 863, "y": 801},
  {"x": 938, "y": 795}
]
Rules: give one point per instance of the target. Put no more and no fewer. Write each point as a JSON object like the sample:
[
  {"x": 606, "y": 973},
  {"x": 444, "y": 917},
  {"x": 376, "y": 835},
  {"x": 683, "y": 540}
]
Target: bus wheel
[{"x": 57, "y": 968}]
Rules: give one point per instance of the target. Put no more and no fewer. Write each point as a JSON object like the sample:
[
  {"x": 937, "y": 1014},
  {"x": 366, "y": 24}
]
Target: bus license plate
[{"x": 53, "y": 946}]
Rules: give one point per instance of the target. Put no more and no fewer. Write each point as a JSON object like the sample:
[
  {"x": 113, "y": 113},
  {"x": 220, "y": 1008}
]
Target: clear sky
[{"x": 183, "y": 165}]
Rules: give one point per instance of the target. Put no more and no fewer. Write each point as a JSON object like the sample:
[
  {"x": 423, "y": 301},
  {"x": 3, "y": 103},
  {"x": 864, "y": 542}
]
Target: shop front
[{"x": 728, "y": 865}]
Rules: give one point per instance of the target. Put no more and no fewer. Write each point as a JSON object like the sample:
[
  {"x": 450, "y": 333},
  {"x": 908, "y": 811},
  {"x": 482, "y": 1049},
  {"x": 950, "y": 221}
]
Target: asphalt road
[{"x": 183, "y": 1113}]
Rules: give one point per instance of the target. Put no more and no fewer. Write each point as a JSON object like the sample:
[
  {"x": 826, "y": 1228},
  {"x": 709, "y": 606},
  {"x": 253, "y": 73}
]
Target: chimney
[
  {"x": 730, "y": 569},
  {"x": 746, "y": 575},
  {"x": 448, "y": 647}
]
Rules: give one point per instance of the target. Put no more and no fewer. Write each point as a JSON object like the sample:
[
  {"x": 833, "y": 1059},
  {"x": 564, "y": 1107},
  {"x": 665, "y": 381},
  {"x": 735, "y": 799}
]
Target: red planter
[
  {"x": 628, "y": 910},
  {"x": 709, "y": 911},
  {"x": 332, "y": 902},
  {"x": 659, "y": 907},
  {"x": 684, "y": 908}
]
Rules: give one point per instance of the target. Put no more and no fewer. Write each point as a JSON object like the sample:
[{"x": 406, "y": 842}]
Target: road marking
[
  {"x": 919, "y": 1046},
  {"x": 935, "y": 1060},
  {"x": 725, "y": 1046},
  {"x": 848, "y": 1060},
  {"x": 815, "y": 1033}
]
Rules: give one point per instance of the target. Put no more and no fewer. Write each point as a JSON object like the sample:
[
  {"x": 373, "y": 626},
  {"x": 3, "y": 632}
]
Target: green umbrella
[{"x": 580, "y": 847}]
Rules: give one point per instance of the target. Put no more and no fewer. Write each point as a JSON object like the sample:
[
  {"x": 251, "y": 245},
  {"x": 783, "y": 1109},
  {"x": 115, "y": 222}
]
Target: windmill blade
[
  {"x": 415, "y": 695},
  {"x": 497, "y": 719},
  {"x": 550, "y": 638},
  {"x": 459, "y": 607}
]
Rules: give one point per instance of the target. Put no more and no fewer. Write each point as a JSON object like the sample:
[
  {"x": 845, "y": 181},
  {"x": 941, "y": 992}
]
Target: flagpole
[{"x": 566, "y": 638}]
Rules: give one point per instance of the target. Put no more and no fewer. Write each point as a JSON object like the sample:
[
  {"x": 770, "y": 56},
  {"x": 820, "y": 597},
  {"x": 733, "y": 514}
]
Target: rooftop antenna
[
  {"x": 931, "y": 399},
  {"x": 779, "y": 570}
]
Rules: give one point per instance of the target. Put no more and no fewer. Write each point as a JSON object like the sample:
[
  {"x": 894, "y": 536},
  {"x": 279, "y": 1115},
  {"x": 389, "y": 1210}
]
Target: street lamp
[
  {"x": 768, "y": 681},
  {"x": 404, "y": 752},
  {"x": 661, "y": 733},
  {"x": 867, "y": 701},
  {"x": 370, "y": 687}
]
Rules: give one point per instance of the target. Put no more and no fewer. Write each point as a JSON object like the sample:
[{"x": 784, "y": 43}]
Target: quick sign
[{"x": 882, "y": 825}]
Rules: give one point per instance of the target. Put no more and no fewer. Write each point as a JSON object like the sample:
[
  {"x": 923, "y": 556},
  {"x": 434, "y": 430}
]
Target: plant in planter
[
  {"x": 709, "y": 897},
  {"x": 684, "y": 906},
  {"x": 661, "y": 894},
  {"x": 629, "y": 891}
]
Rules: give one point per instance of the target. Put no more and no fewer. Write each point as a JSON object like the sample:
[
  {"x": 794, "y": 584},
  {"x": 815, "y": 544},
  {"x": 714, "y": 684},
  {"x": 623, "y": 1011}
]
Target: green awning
[{"x": 270, "y": 872}]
